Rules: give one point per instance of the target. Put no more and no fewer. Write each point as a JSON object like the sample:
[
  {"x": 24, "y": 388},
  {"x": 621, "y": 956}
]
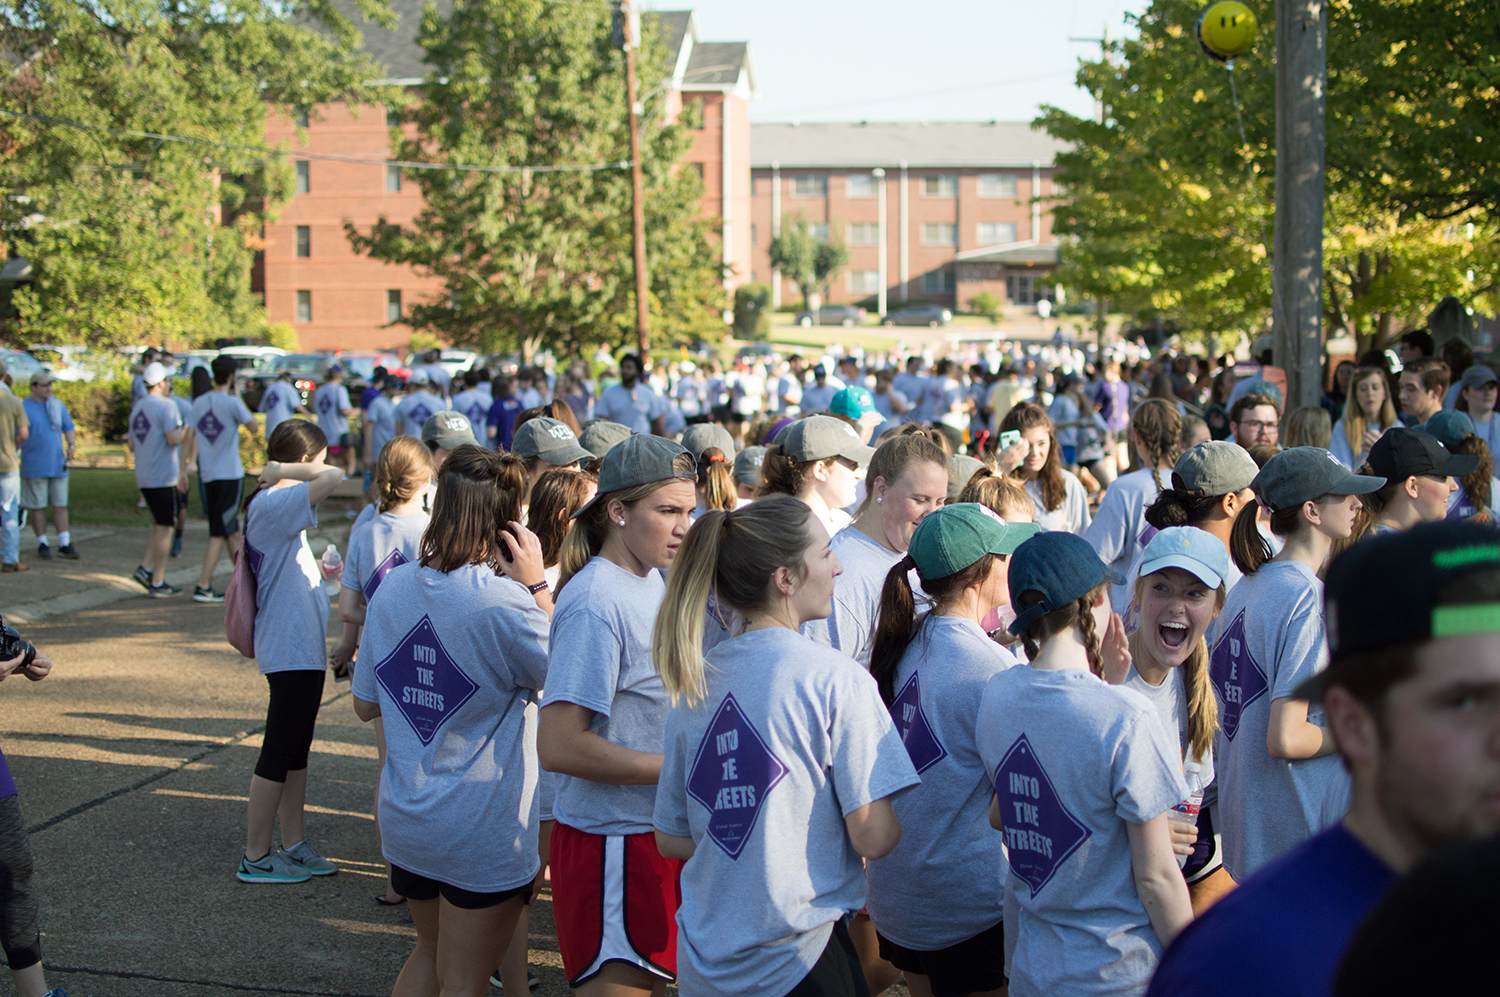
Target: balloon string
[{"x": 1260, "y": 214}]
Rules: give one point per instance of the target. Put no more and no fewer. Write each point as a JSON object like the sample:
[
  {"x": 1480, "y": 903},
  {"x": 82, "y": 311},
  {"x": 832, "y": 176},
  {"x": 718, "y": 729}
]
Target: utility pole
[
  {"x": 628, "y": 18},
  {"x": 1297, "y": 263}
]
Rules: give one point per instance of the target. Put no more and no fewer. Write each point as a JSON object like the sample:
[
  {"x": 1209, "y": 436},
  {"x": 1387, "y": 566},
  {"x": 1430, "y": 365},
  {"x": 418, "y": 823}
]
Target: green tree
[
  {"x": 807, "y": 261},
  {"x": 535, "y": 256},
  {"x": 133, "y": 238}
]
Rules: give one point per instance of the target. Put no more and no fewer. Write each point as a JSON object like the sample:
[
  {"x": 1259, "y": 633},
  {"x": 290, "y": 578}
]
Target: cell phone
[{"x": 1009, "y": 438}]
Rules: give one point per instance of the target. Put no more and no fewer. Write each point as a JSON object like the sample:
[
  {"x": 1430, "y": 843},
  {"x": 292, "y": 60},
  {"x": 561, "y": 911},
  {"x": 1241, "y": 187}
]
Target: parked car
[
  {"x": 307, "y": 370},
  {"x": 928, "y": 315},
  {"x": 67, "y": 363},
  {"x": 359, "y": 366},
  {"x": 251, "y": 356},
  {"x": 845, "y": 315},
  {"x": 20, "y": 366},
  {"x": 455, "y": 362}
]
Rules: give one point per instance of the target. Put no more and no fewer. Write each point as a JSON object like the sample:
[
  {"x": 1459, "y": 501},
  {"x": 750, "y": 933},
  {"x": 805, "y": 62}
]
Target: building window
[
  {"x": 393, "y": 117},
  {"x": 810, "y": 186},
  {"x": 864, "y": 234},
  {"x": 996, "y": 185},
  {"x": 1025, "y": 289},
  {"x": 304, "y": 242},
  {"x": 994, "y": 233},
  {"x": 300, "y": 116},
  {"x": 937, "y": 281},
  {"x": 392, "y": 179},
  {"x": 940, "y": 186},
  {"x": 304, "y": 306},
  {"x": 864, "y": 281},
  {"x": 393, "y": 306},
  {"x": 304, "y": 179},
  {"x": 862, "y": 185},
  {"x": 939, "y": 234},
  {"x": 752, "y": 236}
]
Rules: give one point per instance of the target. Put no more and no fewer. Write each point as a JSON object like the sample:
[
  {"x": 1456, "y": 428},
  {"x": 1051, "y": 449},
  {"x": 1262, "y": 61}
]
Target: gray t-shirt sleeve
[
  {"x": 1146, "y": 770},
  {"x": 1108, "y": 532},
  {"x": 1303, "y": 651},
  {"x": 354, "y": 558},
  {"x": 870, "y": 762},
  {"x": 525, "y": 647},
  {"x": 585, "y": 668},
  {"x": 670, "y": 815}
]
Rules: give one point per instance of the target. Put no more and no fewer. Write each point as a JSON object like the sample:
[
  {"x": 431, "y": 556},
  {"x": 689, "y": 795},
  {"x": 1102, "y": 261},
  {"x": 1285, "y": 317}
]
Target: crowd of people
[{"x": 799, "y": 679}]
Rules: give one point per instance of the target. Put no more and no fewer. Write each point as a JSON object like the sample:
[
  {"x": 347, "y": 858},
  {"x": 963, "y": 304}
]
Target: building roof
[
  {"x": 395, "y": 48},
  {"x": 716, "y": 64},
  {"x": 891, "y": 143}
]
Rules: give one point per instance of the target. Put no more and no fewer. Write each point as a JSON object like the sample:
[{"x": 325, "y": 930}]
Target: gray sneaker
[
  {"x": 306, "y": 856},
  {"x": 275, "y": 867}
]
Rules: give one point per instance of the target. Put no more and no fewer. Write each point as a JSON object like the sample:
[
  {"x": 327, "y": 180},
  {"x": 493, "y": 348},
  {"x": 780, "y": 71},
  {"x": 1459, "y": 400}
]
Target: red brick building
[
  {"x": 311, "y": 278},
  {"x": 961, "y": 208}
]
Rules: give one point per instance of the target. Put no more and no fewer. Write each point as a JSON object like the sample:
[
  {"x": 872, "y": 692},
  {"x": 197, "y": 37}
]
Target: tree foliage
[
  {"x": 531, "y": 258},
  {"x": 1169, "y": 212},
  {"x": 809, "y": 262},
  {"x": 134, "y": 238}
]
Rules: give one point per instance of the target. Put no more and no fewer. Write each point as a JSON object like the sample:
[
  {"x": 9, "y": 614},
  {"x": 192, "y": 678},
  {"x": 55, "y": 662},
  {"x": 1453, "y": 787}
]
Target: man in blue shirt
[
  {"x": 44, "y": 465},
  {"x": 1410, "y": 696}
]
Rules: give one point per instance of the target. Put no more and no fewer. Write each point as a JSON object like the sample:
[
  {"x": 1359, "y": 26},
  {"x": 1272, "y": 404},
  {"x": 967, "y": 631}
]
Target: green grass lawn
[{"x": 99, "y": 496}]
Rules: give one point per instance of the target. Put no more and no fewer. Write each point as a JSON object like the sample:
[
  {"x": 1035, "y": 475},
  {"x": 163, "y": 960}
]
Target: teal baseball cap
[
  {"x": 1199, "y": 553},
  {"x": 952, "y": 537},
  {"x": 1063, "y": 567}
]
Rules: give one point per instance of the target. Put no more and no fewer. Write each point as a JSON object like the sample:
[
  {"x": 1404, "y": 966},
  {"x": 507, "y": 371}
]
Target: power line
[{"x": 284, "y": 154}]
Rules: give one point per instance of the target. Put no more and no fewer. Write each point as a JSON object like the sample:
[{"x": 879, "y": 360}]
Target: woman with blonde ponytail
[
  {"x": 1085, "y": 777},
  {"x": 602, "y": 720},
  {"x": 780, "y": 761},
  {"x": 1178, "y": 595},
  {"x": 936, "y": 900}
]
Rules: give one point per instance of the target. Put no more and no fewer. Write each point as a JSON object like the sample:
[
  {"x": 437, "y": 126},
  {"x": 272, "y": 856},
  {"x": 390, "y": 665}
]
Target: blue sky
[{"x": 895, "y": 60}]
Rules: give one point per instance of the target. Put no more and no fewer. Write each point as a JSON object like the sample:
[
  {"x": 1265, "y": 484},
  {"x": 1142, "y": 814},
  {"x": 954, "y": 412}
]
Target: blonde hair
[
  {"x": 1079, "y": 613},
  {"x": 728, "y": 558},
  {"x": 1309, "y": 426},
  {"x": 588, "y": 532},
  {"x": 1354, "y": 416},
  {"x": 403, "y": 469},
  {"x": 1000, "y": 494},
  {"x": 1203, "y": 704}
]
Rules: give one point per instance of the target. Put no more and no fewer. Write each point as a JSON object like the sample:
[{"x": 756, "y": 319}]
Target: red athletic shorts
[{"x": 614, "y": 899}]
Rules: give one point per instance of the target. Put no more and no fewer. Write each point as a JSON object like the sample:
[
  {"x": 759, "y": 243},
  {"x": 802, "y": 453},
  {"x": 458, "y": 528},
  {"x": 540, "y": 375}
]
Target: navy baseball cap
[{"x": 1063, "y": 567}]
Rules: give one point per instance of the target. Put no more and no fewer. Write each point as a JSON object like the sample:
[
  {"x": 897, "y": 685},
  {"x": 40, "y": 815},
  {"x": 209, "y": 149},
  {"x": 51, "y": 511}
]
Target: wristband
[{"x": 538, "y": 587}]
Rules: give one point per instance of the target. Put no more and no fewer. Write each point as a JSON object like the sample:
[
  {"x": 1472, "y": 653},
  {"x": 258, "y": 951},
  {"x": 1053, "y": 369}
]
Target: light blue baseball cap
[{"x": 1198, "y": 552}]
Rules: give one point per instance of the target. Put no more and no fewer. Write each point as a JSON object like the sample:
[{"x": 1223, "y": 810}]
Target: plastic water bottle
[
  {"x": 332, "y": 566},
  {"x": 1187, "y": 811}
]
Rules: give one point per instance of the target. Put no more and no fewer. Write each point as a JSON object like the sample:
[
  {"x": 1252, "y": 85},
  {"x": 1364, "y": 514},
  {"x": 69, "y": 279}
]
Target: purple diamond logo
[
  {"x": 394, "y": 560},
  {"x": 418, "y": 415},
  {"x": 425, "y": 683},
  {"x": 1146, "y": 535},
  {"x": 731, "y": 776},
  {"x": 325, "y": 404},
  {"x": 911, "y": 723},
  {"x": 140, "y": 427},
  {"x": 1236, "y": 676},
  {"x": 210, "y": 427},
  {"x": 255, "y": 557},
  {"x": 477, "y": 412},
  {"x": 1039, "y": 832}
]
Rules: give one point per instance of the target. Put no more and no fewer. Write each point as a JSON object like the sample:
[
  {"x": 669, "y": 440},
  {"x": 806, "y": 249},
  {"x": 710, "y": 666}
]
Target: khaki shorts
[{"x": 39, "y": 493}]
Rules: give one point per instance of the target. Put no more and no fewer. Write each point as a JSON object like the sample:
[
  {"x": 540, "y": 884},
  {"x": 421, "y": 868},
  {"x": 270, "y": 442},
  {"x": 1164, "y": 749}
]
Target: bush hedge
[{"x": 101, "y": 411}]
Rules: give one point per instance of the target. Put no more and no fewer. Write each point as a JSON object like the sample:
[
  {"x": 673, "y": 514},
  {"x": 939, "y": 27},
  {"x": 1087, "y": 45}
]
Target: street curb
[{"x": 114, "y": 590}]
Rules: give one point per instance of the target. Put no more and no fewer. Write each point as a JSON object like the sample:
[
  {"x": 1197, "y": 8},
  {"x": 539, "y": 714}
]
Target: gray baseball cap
[
  {"x": 599, "y": 438},
  {"x": 1478, "y": 376},
  {"x": 747, "y": 466},
  {"x": 549, "y": 439},
  {"x": 1303, "y": 474},
  {"x": 448, "y": 429},
  {"x": 642, "y": 459},
  {"x": 820, "y": 437},
  {"x": 1214, "y": 467},
  {"x": 699, "y": 437},
  {"x": 961, "y": 467}
]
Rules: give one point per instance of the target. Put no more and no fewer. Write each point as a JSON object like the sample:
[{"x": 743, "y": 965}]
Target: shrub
[
  {"x": 100, "y": 408},
  {"x": 752, "y": 311},
  {"x": 988, "y": 304}
]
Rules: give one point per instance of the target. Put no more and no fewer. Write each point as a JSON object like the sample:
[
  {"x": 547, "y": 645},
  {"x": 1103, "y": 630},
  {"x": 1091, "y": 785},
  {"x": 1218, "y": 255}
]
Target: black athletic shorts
[
  {"x": 221, "y": 504},
  {"x": 837, "y": 972},
  {"x": 163, "y": 503},
  {"x": 974, "y": 965},
  {"x": 416, "y": 887}
]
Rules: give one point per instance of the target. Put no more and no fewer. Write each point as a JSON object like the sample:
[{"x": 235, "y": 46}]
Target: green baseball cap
[{"x": 952, "y": 537}]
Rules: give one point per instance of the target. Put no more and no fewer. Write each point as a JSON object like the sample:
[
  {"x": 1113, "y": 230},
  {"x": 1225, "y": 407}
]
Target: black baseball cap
[
  {"x": 1061, "y": 566},
  {"x": 1401, "y": 453},
  {"x": 1389, "y": 590}
]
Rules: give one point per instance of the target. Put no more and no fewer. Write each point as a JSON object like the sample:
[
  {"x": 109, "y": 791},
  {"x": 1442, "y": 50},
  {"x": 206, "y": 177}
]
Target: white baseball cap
[{"x": 154, "y": 374}]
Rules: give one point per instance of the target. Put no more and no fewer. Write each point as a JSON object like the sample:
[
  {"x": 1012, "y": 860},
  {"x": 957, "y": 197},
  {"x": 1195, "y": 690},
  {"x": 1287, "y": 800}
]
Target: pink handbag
[{"x": 239, "y": 604}]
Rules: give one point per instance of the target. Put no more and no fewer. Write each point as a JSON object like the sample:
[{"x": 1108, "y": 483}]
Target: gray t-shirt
[
  {"x": 856, "y": 595},
  {"x": 156, "y": 460},
  {"x": 383, "y": 544},
  {"x": 382, "y": 416},
  {"x": 1273, "y": 639},
  {"x": 790, "y": 739},
  {"x": 454, "y": 661},
  {"x": 1074, "y": 760},
  {"x": 279, "y": 403},
  {"x": 291, "y": 608},
  {"x": 944, "y": 881},
  {"x": 601, "y": 660},
  {"x": 328, "y": 404},
  {"x": 1119, "y": 532},
  {"x": 1070, "y": 517},
  {"x": 217, "y": 418},
  {"x": 415, "y": 409}
]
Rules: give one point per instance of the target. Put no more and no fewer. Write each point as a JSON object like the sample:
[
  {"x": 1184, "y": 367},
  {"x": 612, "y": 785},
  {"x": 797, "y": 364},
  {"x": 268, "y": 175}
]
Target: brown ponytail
[
  {"x": 897, "y": 624},
  {"x": 401, "y": 471},
  {"x": 1246, "y": 545},
  {"x": 1157, "y": 426},
  {"x": 716, "y": 481}
]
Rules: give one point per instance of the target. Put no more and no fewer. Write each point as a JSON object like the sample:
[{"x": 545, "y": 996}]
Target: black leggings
[
  {"x": 290, "y": 719},
  {"x": 20, "y": 920}
]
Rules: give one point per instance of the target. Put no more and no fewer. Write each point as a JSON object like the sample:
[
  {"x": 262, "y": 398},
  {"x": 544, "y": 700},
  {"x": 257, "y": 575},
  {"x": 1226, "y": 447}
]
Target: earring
[
  {"x": 879, "y": 500},
  {"x": 619, "y": 522}
]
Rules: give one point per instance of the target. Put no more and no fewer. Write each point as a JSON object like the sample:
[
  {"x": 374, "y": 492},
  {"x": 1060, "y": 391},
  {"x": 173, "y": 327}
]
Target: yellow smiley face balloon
[{"x": 1226, "y": 30}]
